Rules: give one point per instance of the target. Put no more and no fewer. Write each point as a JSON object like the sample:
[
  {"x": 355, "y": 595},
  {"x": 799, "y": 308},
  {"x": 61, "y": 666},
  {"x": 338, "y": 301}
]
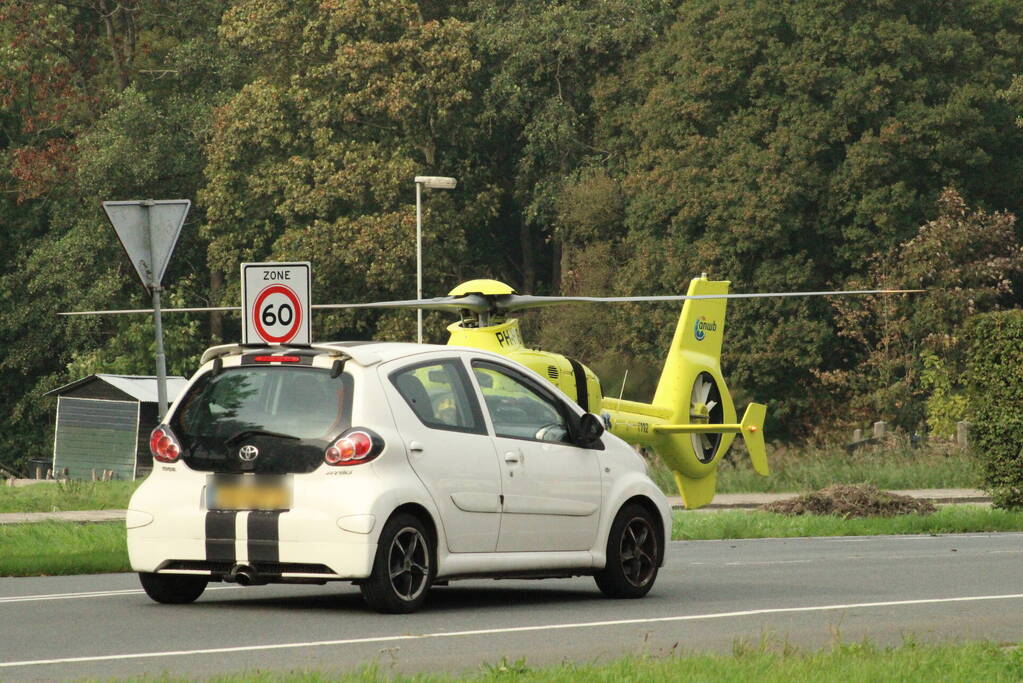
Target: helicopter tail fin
[
  {"x": 692, "y": 419},
  {"x": 753, "y": 434}
]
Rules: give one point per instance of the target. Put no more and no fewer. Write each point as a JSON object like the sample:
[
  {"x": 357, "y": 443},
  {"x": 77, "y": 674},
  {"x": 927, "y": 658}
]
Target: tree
[
  {"x": 994, "y": 391},
  {"x": 912, "y": 346},
  {"x": 99, "y": 102},
  {"x": 314, "y": 157},
  {"x": 781, "y": 145},
  {"x": 540, "y": 64}
]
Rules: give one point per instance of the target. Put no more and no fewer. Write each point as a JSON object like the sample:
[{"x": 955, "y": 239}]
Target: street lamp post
[{"x": 430, "y": 183}]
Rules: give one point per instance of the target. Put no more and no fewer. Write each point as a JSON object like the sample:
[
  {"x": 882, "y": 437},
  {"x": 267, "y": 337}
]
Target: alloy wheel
[
  {"x": 408, "y": 563},
  {"x": 638, "y": 550}
]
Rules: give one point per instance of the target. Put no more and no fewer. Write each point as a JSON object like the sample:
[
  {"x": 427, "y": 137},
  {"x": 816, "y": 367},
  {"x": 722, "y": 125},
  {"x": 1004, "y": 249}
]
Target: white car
[{"x": 394, "y": 466}]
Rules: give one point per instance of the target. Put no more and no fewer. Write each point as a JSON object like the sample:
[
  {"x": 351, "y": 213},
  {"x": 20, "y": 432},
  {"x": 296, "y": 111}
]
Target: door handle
[
  {"x": 415, "y": 447},
  {"x": 512, "y": 457}
]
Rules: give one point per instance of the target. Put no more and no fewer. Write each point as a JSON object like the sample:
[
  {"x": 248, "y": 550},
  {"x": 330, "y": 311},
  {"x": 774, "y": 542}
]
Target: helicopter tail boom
[{"x": 751, "y": 428}]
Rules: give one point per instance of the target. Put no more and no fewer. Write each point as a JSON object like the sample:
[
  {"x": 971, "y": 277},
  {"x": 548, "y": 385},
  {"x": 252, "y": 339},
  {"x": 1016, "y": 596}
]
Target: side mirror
[{"x": 590, "y": 429}]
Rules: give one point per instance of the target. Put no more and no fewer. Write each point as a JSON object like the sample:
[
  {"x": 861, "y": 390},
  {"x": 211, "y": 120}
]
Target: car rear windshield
[{"x": 290, "y": 414}]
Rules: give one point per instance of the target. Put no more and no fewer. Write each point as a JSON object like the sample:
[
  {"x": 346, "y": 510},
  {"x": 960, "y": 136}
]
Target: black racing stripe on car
[
  {"x": 582, "y": 391},
  {"x": 220, "y": 535},
  {"x": 264, "y": 536}
]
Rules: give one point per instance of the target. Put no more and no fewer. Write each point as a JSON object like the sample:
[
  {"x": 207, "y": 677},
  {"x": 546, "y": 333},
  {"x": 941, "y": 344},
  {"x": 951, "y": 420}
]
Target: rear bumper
[{"x": 284, "y": 545}]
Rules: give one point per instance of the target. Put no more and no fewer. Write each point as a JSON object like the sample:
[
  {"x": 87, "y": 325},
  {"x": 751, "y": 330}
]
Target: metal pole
[
  {"x": 419, "y": 260},
  {"x": 161, "y": 360}
]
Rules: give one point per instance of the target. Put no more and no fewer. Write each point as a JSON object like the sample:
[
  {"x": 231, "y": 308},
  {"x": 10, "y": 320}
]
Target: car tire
[
  {"x": 403, "y": 568},
  {"x": 633, "y": 554},
  {"x": 173, "y": 589}
]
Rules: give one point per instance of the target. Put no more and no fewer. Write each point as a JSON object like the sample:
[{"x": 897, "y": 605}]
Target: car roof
[{"x": 364, "y": 353}]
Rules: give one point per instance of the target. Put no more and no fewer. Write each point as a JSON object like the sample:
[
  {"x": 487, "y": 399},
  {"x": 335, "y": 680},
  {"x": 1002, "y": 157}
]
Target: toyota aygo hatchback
[{"x": 393, "y": 466}]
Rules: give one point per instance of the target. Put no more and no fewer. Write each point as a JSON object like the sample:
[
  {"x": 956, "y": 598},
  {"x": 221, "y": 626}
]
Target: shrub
[{"x": 994, "y": 386}]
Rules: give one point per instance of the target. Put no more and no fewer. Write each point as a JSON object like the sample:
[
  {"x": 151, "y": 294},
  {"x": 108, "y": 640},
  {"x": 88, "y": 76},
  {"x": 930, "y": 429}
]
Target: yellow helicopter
[{"x": 691, "y": 421}]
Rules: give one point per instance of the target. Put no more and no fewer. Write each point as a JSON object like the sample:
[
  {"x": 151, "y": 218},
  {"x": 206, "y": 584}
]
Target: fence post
[{"x": 963, "y": 433}]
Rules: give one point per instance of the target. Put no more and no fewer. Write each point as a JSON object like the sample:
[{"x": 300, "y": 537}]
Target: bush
[{"x": 994, "y": 386}]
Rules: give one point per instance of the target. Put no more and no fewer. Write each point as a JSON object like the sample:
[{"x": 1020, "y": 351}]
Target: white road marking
[
  {"x": 767, "y": 562},
  {"x": 88, "y": 594},
  {"x": 515, "y": 629},
  {"x": 906, "y": 537},
  {"x": 943, "y": 553}
]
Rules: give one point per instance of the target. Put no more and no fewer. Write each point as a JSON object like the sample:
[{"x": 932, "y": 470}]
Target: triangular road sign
[{"x": 148, "y": 231}]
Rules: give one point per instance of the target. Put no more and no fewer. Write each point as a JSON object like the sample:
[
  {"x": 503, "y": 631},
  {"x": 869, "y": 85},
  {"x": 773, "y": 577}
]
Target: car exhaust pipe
[{"x": 243, "y": 575}]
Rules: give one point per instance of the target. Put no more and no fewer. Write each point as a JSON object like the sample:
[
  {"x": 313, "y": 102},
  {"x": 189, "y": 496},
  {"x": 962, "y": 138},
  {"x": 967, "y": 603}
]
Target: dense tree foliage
[
  {"x": 994, "y": 380},
  {"x": 782, "y": 145},
  {"x": 601, "y": 147}
]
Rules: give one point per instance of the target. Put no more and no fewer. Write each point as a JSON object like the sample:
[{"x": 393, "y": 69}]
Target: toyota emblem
[{"x": 248, "y": 453}]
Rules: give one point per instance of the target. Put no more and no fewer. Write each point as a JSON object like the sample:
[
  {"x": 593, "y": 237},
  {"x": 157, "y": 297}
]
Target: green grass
[
  {"x": 51, "y": 548},
  {"x": 841, "y": 663},
  {"x": 894, "y": 466},
  {"x": 69, "y": 495},
  {"x": 951, "y": 519}
]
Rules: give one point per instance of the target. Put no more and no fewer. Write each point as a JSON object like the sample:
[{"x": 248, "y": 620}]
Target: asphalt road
[{"x": 712, "y": 594}]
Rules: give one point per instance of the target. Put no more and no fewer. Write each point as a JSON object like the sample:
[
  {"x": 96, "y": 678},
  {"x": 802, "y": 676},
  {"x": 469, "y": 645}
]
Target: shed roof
[{"x": 139, "y": 387}]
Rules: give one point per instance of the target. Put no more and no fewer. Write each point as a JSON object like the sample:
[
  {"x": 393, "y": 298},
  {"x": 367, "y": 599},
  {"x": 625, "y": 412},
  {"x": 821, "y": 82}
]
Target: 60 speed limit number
[
  {"x": 276, "y": 300},
  {"x": 277, "y": 314}
]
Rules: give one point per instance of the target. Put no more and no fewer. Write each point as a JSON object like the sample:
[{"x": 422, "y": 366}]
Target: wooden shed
[{"x": 104, "y": 422}]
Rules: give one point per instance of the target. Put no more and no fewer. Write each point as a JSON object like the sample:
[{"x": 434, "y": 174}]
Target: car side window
[
  {"x": 437, "y": 392},
  {"x": 518, "y": 410}
]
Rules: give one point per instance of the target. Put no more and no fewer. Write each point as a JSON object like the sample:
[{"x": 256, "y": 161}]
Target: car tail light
[
  {"x": 164, "y": 445},
  {"x": 354, "y": 447},
  {"x": 277, "y": 359}
]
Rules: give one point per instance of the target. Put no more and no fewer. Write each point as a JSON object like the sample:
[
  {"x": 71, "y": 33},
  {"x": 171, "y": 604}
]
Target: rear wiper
[{"x": 260, "y": 432}]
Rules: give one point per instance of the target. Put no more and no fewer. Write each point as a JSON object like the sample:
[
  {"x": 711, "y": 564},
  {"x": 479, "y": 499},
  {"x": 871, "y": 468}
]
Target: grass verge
[
  {"x": 951, "y": 519},
  {"x": 890, "y": 466},
  {"x": 856, "y": 662},
  {"x": 51, "y": 548},
  {"x": 67, "y": 495}
]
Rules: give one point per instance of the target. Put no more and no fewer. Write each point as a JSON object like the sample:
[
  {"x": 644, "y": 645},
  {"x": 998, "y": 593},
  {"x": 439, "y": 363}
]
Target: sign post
[
  {"x": 275, "y": 303},
  {"x": 148, "y": 231}
]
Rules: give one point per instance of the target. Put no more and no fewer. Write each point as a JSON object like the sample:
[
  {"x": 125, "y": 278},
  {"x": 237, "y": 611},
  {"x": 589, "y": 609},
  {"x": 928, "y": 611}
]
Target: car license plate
[{"x": 248, "y": 493}]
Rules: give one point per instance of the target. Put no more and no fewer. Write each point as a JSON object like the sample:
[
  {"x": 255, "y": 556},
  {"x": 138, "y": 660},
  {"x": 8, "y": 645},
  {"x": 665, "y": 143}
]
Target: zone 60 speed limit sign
[{"x": 275, "y": 301}]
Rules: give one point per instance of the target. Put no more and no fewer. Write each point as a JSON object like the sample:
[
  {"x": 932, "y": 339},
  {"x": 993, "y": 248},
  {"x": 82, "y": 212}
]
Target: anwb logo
[{"x": 702, "y": 327}]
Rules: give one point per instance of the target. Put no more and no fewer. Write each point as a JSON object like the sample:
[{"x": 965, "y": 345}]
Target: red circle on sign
[{"x": 296, "y": 306}]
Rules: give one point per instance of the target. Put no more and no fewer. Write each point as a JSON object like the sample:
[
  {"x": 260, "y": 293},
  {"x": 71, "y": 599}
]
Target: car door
[
  {"x": 439, "y": 418},
  {"x": 551, "y": 487}
]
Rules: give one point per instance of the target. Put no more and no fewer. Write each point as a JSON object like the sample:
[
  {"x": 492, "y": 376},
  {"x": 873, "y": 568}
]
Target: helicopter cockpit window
[
  {"x": 517, "y": 410},
  {"x": 437, "y": 393}
]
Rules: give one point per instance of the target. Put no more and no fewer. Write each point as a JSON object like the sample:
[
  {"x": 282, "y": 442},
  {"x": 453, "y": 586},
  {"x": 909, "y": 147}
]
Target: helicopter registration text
[{"x": 509, "y": 337}]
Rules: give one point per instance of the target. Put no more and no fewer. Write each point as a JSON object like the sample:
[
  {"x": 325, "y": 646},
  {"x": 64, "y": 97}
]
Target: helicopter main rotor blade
[
  {"x": 479, "y": 303},
  {"x": 514, "y": 302},
  {"x": 150, "y": 310},
  {"x": 472, "y": 302}
]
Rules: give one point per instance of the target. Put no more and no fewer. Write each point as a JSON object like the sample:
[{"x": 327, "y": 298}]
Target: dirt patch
[{"x": 844, "y": 500}]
